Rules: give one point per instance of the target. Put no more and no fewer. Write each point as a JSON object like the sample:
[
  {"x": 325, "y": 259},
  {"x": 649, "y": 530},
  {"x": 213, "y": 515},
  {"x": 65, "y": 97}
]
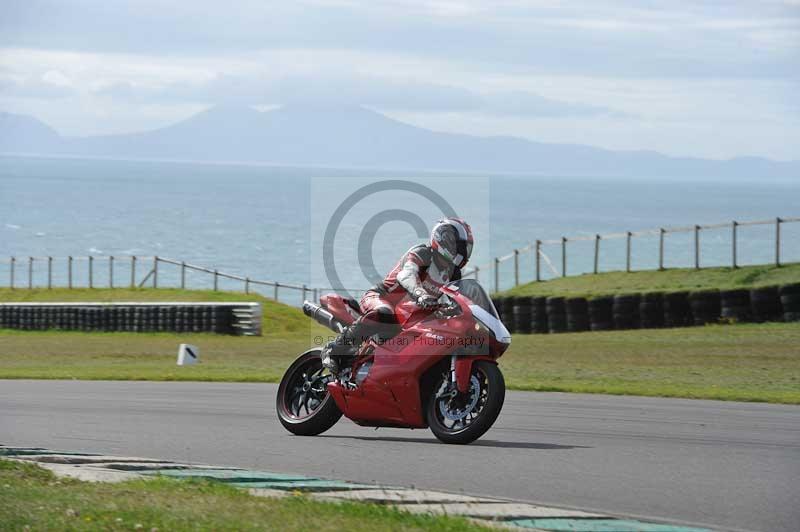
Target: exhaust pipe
[{"x": 322, "y": 316}]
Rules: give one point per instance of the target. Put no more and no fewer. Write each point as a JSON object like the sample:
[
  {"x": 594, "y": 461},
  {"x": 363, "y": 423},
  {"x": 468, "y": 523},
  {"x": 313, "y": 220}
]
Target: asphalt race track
[{"x": 719, "y": 464}]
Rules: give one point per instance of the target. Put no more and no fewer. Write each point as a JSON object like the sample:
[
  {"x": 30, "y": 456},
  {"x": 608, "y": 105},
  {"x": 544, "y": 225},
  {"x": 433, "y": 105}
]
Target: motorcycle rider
[{"x": 419, "y": 273}]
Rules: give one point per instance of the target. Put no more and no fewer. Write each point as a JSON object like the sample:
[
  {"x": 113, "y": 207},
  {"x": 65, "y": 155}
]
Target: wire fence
[
  {"x": 134, "y": 271},
  {"x": 696, "y": 246},
  {"x": 662, "y": 248}
]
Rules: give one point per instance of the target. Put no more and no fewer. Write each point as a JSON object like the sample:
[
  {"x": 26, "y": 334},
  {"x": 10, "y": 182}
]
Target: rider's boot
[{"x": 346, "y": 344}]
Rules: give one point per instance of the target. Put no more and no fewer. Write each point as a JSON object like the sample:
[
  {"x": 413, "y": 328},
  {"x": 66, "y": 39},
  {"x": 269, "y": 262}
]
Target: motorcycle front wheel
[
  {"x": 463, "y": 418},
  {"x": 303, "y": 403}
]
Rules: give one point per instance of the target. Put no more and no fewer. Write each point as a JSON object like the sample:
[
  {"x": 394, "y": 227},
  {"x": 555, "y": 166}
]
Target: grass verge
[
  {"x": 671, "y": 280},
  {"x": 33, "y": 497},
  {"x": 746, "y": 362}
]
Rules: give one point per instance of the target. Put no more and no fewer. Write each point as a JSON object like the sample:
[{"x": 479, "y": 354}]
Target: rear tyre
[
  {"x": 466, "y": 417},
  {"x": 304, "y": 405}
]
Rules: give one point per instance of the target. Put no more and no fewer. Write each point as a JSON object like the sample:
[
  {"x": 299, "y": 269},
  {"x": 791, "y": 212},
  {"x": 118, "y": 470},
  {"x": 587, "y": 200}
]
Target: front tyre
[
  {"x": 304, "y": 405},
  {"x": 463, "y": 418}
]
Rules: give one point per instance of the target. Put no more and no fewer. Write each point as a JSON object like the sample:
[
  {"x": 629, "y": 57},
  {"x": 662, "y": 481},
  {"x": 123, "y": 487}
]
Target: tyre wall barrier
[
  {"x": 522, "y": 314},
  {"x": 556, "y": 314},
  {"x": 221, "y": 318},
  {"x": 539, "y": 315},
  {"x": 735, "y": 305},
  {"x": 705, "y": 306},
  {"x": 651, "y": 310},
  {"x": 790, "y": 301},
  {"x": 577, "y": 314},
  {"x": 508, "y": 313},
  {"x": 677, "y": 312},
  {"x": 601, "y": 313},
  {"x": 765, "y": 304},
  {"x": 626, "y": 311}
]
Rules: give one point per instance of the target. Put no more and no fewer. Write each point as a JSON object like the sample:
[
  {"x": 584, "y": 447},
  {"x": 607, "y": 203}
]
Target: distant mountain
[
  {"x": 357, "y": 137},
  {"x": 20, "y": 133}
]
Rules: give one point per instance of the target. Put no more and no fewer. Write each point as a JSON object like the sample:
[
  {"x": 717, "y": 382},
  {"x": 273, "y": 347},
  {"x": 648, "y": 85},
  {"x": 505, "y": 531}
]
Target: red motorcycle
[{"x": 439, "y": 371}]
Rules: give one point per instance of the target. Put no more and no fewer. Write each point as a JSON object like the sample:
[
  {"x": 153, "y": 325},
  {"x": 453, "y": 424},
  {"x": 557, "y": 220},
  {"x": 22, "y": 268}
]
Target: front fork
[
  {"x": 460, "y": 373},
  {"x": 461, "y": 370},
  {"x": 449, "y": 387}
]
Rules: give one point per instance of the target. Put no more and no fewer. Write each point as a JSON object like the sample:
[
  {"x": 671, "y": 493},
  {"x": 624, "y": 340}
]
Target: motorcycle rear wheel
[
  {"x": 304, "y": 406},
  {"x": 486, "y": 380}
]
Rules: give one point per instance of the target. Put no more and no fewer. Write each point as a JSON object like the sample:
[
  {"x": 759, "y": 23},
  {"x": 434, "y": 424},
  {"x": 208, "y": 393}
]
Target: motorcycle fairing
[
  {"x": 499, "y": 330},
  {"x": 370, "y": 404},
  {"x": 390, "y": 393}
]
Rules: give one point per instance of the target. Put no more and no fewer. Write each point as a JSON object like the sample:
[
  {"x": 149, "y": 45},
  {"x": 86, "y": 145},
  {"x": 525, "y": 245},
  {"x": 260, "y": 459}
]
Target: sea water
[{"x": 257, "y": 221}]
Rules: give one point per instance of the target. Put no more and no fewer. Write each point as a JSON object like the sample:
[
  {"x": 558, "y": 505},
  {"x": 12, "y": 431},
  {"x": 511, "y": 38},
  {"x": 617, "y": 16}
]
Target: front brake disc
[{"x": 457, "y": 414}]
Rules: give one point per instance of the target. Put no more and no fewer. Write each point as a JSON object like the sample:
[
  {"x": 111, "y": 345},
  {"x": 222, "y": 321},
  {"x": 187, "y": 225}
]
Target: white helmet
[{"x": 452, "y": 239}]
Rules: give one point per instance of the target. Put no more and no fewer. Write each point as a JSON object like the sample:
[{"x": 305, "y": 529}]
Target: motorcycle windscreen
[{"x": 475, "y": 292}]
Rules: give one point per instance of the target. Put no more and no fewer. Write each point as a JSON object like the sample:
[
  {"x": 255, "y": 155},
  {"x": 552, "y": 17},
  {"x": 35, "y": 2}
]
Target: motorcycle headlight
[
  {"x": 491, "y": 323},
  {"x": 483, "y": 328},
  {"x": 477, "y": 344}
]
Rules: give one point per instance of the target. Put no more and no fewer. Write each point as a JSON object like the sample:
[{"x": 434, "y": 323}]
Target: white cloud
[
  {"x": 47, "y": 86},
  {"x": 56, "y": 78},
  {"x": 263, "y": 89},
  {"x": 621, "y": 74}
]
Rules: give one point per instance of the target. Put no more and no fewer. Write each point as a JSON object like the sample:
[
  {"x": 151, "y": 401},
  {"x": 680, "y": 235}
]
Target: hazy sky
[{"x": 705, "y": 78}]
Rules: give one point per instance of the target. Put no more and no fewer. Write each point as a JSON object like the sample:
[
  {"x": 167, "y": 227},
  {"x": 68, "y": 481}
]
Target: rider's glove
[{"x": 424, "y": 299}]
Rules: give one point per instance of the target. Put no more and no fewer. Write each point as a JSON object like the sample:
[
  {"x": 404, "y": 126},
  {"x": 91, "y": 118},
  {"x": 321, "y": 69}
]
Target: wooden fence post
[
  {"x": 49, "y": 273},
  {"x": 628, "y": 251},
  {"x": 30, "y": 273},
  {"x": 734, "y": 225},
  {"x": 516, "y": 267},
  {"x": 69, "y": 272},
  {"x": 111, "y": 271},
  {"x": 155, "y": 271},
  {"x": 538, "y": 260},
  {"x": 133, "y": 271},
  {"x": 91, "y": 271},
  {"x": 276, "y": 291},
  {"x": 13, "y": 264},
  {"x": 696, "y": 247},
  {"x": 596, "y": 252},
  {"x": 216, "y": 280},
  {"x": 183, "y": 275},
  {"x": 778, "y": 242},
  {"x": 246, "y": 285},
  {"x": 563, "y": 256},
  {"x": 661, "y": 248}
]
